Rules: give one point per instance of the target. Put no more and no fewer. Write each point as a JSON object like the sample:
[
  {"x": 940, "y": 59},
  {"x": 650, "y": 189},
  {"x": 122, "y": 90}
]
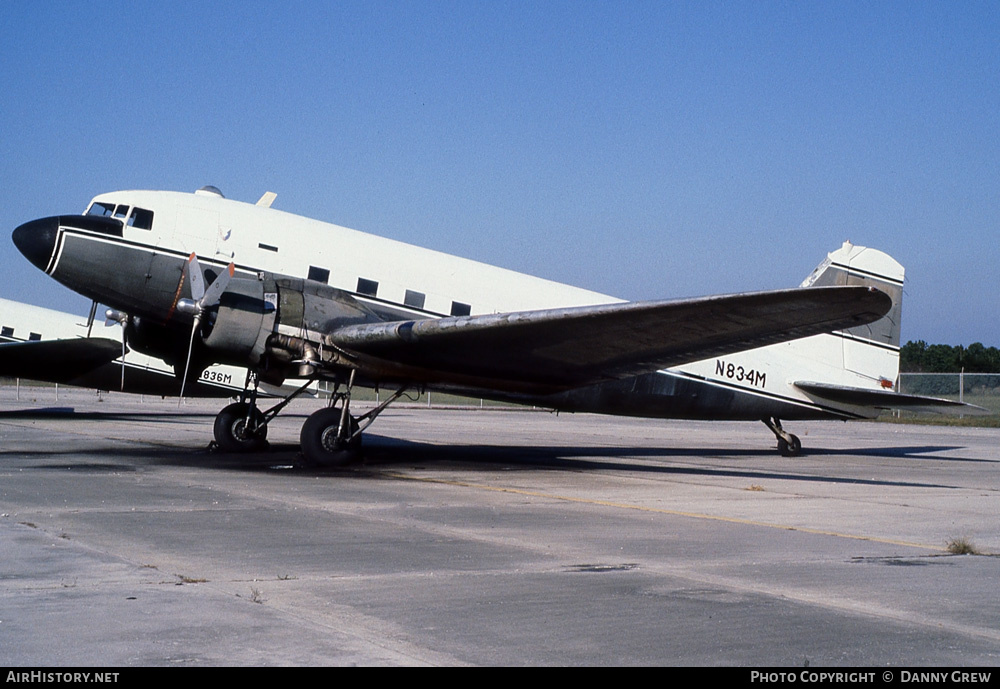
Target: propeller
[
  {"x": 201, "y": 301},
  {"x": 113, "y": 317},
  {"x": 90, "y": 318}
]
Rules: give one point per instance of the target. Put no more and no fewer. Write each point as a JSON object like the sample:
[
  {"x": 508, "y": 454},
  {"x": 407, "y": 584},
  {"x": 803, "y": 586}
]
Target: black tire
[
  {"x": 790, "y": 449},
  {"x": 230, "y": 425},
  {"x": 320, "y": 445}
]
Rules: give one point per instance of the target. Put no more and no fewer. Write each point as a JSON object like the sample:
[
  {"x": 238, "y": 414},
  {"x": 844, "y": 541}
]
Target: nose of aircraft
[{"x": 37, "y": 239}]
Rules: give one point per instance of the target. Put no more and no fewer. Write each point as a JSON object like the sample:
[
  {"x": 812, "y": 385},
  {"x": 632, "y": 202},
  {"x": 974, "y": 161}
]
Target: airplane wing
[
  {"x": 556, "y": 349},
  {"x": 889, "y": 399},
  {"x": 56, "y": 359}
]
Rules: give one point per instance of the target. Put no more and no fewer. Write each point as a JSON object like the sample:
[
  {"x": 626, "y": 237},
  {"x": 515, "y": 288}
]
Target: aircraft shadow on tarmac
[
  {"x": 390, "y": 454},
  {"x": 383, "y": 453}
]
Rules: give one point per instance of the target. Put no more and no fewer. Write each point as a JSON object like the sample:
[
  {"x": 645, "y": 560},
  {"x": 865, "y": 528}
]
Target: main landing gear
[
  {"x": 241, "y": 426},
  {"x": 788, "y": 444},
  {"x": 329, "y": 437}
]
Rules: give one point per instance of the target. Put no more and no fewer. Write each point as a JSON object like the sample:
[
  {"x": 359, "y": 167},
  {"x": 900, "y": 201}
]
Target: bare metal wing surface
[
  {"x": 557, "y": 349},
  {"x": 58, "y": 359}
]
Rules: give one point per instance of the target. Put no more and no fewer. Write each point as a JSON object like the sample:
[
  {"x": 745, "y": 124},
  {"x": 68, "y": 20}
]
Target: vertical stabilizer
[{"x": 871, "y": 351}]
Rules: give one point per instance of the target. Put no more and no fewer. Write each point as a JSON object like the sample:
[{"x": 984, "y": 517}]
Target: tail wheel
[
  {"x": 791, "y": 447},
  {"x": 233, "y": 434},
  {"x": 322, "y": 444}
]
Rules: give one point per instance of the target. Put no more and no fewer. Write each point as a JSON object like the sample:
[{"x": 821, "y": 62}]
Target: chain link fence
[{"x": 982, "y": 389}]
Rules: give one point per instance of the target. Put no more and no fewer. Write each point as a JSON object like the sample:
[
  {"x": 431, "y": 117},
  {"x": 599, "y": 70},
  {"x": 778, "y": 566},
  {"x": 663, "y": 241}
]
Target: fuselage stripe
[
  {"x": 762, "y": 393},
  {"x": 250, "y": 270},
  {"x": 868, "y": 273}
]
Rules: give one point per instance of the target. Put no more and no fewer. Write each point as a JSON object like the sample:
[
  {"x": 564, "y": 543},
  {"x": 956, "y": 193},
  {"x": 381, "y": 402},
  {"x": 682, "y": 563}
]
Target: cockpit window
[
  {"x": 141, "y": 219},
  {"x": 121, "y": 211},
  {"x": 105, "y": 210}
]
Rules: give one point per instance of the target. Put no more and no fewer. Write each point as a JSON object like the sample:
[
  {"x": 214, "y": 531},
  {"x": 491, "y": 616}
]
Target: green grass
[
  {"x": 962, "y": 546},
  {"x": 913, "y": 418}
]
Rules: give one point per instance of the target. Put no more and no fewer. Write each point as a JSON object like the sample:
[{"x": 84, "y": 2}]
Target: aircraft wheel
[
  {"x": 320, "y": 444},
  {"x": 790, "y": 449},
  {"x": 230, "y": 429}
]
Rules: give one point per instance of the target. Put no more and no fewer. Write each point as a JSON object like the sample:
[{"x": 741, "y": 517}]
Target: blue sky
[{"x": 642, "y": 149}]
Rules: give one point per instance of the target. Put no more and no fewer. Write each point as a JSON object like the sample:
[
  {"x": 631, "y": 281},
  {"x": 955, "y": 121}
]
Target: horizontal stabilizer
[
  {"x": 557, "y": 349},
  {"x": 56, "y": 359},
  {"x": 888, "y": 399}
]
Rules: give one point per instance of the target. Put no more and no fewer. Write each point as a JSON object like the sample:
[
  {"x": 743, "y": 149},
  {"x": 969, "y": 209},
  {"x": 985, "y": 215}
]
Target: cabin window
[
  {"x": 34, "y": 337},
  {"x": 369, "y": 288},
  {"x": 268, "y": 247},
  {"x": 319, "y": 274},
  {"x": 460, "y": 309},
  {"x": 105, "y": 210},
  {"x": 141, "y": 219},
  {"x": 6, "y": 331},
  {"x": 414, "y": 299}
]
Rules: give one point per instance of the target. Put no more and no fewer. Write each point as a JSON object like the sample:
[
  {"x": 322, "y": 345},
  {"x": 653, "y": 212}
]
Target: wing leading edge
[{"x": 557, "y": 349}]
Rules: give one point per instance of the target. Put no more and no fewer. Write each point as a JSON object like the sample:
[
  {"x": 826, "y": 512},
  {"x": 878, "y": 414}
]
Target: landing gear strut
[
  {"x": 788, "y": 444},
  {"x": 241, "y": 426},
  {"x": 331, "y": 436}
]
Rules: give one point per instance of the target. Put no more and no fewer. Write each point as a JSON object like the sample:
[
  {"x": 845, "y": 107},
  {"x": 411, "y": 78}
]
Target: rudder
[{"x": 870, "y": 351}]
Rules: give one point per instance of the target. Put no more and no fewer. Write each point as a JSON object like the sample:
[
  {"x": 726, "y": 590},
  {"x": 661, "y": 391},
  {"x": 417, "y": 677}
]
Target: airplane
[
  {"x": 201, "y": 279},
  {"x": 57, "y": 347}
]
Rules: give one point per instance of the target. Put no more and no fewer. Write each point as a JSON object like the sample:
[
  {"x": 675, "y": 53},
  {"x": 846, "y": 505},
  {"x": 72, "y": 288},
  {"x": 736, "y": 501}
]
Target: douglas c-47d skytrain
[{"x": 198, "y": 279}]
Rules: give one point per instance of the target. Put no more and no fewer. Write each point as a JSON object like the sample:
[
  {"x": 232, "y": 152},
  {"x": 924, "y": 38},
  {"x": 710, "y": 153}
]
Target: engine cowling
[
  {"x": 264, "y": 324},
  {"x": 237, "y": 331}
]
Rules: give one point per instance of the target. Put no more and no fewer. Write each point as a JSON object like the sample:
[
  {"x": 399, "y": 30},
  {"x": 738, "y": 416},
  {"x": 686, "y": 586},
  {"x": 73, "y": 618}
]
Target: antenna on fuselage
[
  {"x": 209, "y": 190},
  {"x": 266, "y": 200}
]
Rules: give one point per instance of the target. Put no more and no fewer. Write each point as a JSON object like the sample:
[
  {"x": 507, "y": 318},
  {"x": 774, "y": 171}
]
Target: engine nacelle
[
  {"x": 238, "y": 329},
  {"x": 264, "y": 324}
]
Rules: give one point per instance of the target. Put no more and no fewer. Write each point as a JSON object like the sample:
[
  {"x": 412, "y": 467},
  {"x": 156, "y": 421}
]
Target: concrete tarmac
[{"x": 479, "y": 537}]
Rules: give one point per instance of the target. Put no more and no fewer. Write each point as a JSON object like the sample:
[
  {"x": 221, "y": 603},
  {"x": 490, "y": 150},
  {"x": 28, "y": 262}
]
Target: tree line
[{"x": 920, "y": 357}]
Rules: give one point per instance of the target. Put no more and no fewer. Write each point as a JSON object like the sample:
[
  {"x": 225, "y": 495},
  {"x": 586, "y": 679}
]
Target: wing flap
[
  {"x": 558, "y": 349},
  {"x": 889, "y": 399}
]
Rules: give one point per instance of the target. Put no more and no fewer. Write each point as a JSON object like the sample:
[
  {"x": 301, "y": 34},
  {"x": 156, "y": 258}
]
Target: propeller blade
[
  {"x": 203, "y": 299},
  {"x": 218, "y": 286},
  {"x": 116, "y": 317},
  {"x": 90, "y": 318},
  {"x": 196, "y": 277},
  {"x": 123, "y": 356},
  {"x": 187, "y": 363}
]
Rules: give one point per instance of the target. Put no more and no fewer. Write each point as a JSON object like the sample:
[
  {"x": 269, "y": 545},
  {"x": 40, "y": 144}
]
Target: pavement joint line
[{"x": 660, "y": 510}]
